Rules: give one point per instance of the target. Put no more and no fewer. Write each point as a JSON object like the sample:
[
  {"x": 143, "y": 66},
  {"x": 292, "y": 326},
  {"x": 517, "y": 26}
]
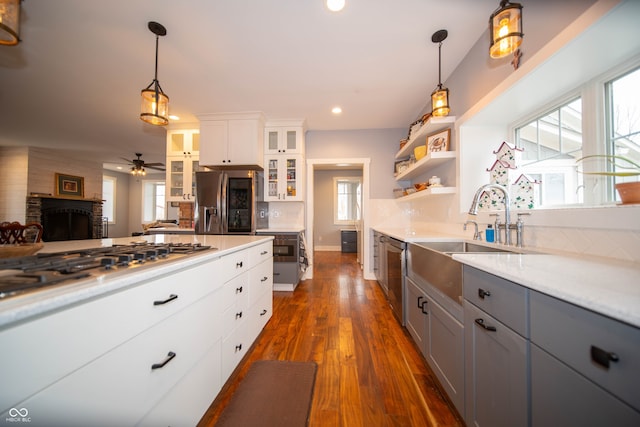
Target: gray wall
[
  {"x": 121, "y": 226},
  {"x": 379, "y": 145},
  {"x": 326, "y": 233}
]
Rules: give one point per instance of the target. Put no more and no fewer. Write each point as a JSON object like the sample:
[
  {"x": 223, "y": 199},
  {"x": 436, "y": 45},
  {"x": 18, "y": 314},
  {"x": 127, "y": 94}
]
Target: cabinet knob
[
  {"x": 239, "y": 315},
  {"x": 482, "y": 293},
  {"x": 239, "y": 290},
  {"x": 238, "y": 347}
]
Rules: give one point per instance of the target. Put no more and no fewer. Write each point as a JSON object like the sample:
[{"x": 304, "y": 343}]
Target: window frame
[
  {"x": 157, "y": 183},
  {"x": 114, "y": 180},
  {"x": 351, "y": 179}
]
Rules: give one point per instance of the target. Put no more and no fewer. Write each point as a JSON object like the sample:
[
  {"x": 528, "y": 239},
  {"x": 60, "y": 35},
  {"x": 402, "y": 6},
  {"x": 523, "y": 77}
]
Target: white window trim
[
  {"x": 112, "y": 221},
  {"x": 337, "y": 221}
]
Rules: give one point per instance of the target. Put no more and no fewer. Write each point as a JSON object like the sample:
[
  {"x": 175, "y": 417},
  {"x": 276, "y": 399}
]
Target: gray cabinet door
[
  {"x": 562, "y": 397},
  {"x": 445, "y": 352},
  {"x": 417, "y": 318},
  {"x": 495, "y": 372}
]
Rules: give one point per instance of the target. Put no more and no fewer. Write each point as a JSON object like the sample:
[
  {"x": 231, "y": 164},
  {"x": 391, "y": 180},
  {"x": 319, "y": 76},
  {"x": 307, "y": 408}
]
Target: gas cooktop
[{"x": 27, "y": 274}]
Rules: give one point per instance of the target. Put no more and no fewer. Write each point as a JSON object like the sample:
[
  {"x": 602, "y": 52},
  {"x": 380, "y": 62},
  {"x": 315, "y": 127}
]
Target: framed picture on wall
[
  {"x": 439, "y": 141},
  {"x": 69, "y": 186}
]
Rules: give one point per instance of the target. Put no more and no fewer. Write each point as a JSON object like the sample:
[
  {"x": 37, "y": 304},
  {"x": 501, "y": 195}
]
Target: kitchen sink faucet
[{"x": 473, "y": 210}]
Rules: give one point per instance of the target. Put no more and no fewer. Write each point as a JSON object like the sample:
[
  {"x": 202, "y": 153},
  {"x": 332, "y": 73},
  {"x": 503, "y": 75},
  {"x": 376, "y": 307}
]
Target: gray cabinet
[
  {"x": 585, "y": 368},
  {"x": 348, "y": 241},
  {"x": 440, "y": 338},
  {"x": 496, "y": 354}
]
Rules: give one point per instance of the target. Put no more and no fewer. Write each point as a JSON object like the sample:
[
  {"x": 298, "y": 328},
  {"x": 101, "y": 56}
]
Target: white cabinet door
[
  {"x": 232, "y": 139},
  {"x": 181, "y": 178},
  {"x": 183, "y": 143},
  {"x": 283, "y": 140},
  {"x": 284, "y": 180}
]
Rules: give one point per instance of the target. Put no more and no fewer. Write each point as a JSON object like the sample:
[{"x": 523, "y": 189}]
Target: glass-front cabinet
[
  {"x": 284, "y": 137},
  {"x": 183, "y": 148},
  {"x": 284, "y": 178}
]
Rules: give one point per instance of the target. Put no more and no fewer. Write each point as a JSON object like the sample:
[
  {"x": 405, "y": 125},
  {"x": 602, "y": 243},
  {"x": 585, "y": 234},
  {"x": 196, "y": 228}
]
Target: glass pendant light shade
[
  {"x": 440, "y": 102},
  {"x": 155, "y": 103},
  {"x": 9, "y": 22},
  {"x": 505, "y": 29}
]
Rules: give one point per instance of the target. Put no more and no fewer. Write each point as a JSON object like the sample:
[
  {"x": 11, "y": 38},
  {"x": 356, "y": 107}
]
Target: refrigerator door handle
[
  {"x": 222, "y": 202},
  {"x": 209, "y": 211}
]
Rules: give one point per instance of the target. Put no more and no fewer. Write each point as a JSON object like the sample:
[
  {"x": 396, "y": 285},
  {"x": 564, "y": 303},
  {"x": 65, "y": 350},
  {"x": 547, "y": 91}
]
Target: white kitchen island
[{"x": 149, "y": 345}]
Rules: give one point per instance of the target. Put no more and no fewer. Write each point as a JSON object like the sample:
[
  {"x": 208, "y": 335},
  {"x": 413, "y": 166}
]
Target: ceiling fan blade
[
  {"x": 154, "y": 164},
  {"x": 155, "y": 167},
  {"x": 127, "y": 160}
]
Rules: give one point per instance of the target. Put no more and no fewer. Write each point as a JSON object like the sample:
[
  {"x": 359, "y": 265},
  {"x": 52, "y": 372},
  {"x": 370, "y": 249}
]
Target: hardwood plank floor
[{"x": 369, "y": 371}]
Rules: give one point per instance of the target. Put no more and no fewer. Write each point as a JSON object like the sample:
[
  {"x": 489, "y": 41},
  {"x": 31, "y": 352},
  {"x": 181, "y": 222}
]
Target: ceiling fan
[{"x": 138, "y": 165}]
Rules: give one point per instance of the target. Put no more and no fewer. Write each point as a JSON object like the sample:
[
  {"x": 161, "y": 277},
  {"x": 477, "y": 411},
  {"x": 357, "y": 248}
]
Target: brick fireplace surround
[{"x": 34, "y": 212}]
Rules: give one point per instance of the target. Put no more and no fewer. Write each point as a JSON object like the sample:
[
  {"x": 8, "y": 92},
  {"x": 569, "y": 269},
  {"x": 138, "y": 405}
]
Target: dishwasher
[{"x": 394, "y": 251}]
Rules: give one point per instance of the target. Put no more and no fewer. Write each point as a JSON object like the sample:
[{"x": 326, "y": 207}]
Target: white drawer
[
  {"x": 504, "y": 300},
  {"x": 259, "y": 315},
  {"x": 260, "y": 281},
  {"x": 123, "y": 385},
  {"x": 582, "y": 339},
  {"x": 232, "y": 265},
  {"x": 61, "y": 342},
  {"x": 236, "y": 292},
  {"x": 234, "y": 347},
  {"x": 260, "y": 253}
]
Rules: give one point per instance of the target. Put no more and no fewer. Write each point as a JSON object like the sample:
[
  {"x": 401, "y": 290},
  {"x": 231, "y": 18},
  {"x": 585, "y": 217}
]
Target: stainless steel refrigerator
[{"x": 228, "y": 201}]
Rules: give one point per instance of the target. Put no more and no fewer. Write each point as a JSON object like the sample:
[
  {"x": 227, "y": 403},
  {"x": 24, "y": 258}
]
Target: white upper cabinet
[
  {"x": 232, "y": 139},
  {"x": 183, "y": 150},
  {"x": 284, "y": 137}
]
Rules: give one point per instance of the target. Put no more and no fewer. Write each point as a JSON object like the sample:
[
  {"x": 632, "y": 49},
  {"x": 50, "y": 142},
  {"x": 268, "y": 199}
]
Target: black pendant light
[
  {"x": 440, "y": 96},
  {"x": 9, "y": 22},
  {"x": 155, "y": 103},
  {"x": 505, "y": 29}
]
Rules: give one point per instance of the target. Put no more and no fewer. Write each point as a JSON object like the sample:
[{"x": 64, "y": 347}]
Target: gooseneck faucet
[{"x": 473, "y": 210}]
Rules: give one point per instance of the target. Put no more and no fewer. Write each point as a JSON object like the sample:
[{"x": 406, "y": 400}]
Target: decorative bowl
[
  {"x": 420, "y": 151},
  {"x": 23, "y": 249},
  {"x": 420, "y": 186}
]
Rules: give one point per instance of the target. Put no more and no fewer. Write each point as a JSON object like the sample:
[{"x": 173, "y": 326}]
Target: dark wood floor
[{"x": 369, "y": 371}]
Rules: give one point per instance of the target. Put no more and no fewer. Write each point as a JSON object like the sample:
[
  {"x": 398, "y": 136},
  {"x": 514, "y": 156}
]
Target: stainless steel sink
[{"x": 449, "y": 248}]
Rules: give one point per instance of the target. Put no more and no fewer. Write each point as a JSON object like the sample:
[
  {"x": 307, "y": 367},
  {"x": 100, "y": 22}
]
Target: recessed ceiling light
[
  {"x": 172, "y": 117},
  {"x": 335, "y": 5},
  {"x": 336, "y": 110},
  {"x": 119, "y": 167}
]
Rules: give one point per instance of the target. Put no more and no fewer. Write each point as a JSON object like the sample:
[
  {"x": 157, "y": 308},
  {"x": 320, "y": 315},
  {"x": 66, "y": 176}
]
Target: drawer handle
[
  {"x": 263, "y": 312},
  {"x": 171, "y": 298},
  {"x": 603, "y": 357},
  {"x": 238, "y": 347},
  {"x": 239, "y": 264},
  {"x": 239, "y": 315},
  {"x": 480, "y": 322},
  {"x": 264, "y": 279},
  {"x": 168, "y": 359},
  {"x": 264, "y": 252},
  {"x": 482, "y": 293},
  {"x": 421, "y": 305},
  {"x": 239, "y": 290}
]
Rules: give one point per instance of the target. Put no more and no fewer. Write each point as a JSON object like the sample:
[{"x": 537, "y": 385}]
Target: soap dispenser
[{"x": 489, "y": 236}]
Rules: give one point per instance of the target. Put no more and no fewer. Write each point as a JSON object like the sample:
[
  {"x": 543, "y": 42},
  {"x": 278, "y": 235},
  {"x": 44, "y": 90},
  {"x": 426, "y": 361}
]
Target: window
[
  {"x": 109, "y": 197},
  {"x": 553, "y": 140},
  {"x": 153, "y": 207},
  {"x": 346, "y": 200},
  {"x": 552, "y": 143},
  {"x": 623, "y": 119}
]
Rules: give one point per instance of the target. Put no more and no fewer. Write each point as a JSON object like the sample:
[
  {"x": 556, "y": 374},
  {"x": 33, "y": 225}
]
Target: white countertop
[
  {"x": 603, "y": 285},
  {"x": 56, "y": 297},
  {"x": 280, "y": 230}
]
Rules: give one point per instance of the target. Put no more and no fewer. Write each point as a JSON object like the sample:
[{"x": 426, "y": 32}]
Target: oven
[{"x": 286, "y": 247}]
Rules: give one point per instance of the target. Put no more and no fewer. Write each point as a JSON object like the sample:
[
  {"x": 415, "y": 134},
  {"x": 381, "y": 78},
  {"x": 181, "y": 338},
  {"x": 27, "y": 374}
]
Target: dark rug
[{"x": 273, "y": 393}]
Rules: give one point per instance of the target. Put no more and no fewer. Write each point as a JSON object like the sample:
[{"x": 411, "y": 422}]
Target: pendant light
[
  {"x": 155, "y": 103},
  {"x": 440, "y": 96},
  {"x": 9, "y": 22},
  {"x": 505, "y": 29}
]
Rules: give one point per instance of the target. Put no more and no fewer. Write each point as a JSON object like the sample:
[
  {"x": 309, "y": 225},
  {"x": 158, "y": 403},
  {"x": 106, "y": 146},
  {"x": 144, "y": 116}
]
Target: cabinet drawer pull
[
  {"x": 482, "y": 293},
  {"x": 239, "y": 315},
  {"x": 238, "y": 347},
  {"x": 168, "y": 359},
  {"x": 603, "y": 357},
  {"x": 239, "y": 264},
  {"x": 264, "y": 252},
  {"x": 239, "y": 290},
  {"x": 171, "y": 298},
  {"x": 264, "y": 279},
  {"x": 263, "y": 312},
  {"x": 480, "y": 322},
  {"x": 422, "y": 305}
]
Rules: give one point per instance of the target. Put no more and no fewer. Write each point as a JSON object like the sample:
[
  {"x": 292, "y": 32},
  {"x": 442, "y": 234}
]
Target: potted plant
[{"x": 623, "y": 167}]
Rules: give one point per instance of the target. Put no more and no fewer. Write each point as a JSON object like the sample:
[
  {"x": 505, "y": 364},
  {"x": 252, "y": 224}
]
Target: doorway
[{"x": 337, "y": 164}]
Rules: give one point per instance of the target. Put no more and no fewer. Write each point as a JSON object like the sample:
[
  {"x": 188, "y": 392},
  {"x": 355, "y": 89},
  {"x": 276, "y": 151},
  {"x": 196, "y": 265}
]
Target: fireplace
[{"x": 65, "y": 219}]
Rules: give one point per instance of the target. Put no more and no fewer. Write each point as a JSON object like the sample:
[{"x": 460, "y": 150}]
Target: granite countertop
[
  {"x": 57, "y": 297},
  {"x": 602, "y": 285}
]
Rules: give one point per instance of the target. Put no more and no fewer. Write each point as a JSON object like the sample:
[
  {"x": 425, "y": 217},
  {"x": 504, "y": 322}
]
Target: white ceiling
[{"x": 74, "y": 80}]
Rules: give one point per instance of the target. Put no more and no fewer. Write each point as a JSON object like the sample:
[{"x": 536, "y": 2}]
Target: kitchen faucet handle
[
  {"x": 497, "y": 217},
  {"x": 521, "y": 214}
]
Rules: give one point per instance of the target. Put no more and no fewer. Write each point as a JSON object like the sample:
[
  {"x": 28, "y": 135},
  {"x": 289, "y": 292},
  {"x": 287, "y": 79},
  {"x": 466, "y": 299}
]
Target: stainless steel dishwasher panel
[{"x": 395, "y": 252}]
